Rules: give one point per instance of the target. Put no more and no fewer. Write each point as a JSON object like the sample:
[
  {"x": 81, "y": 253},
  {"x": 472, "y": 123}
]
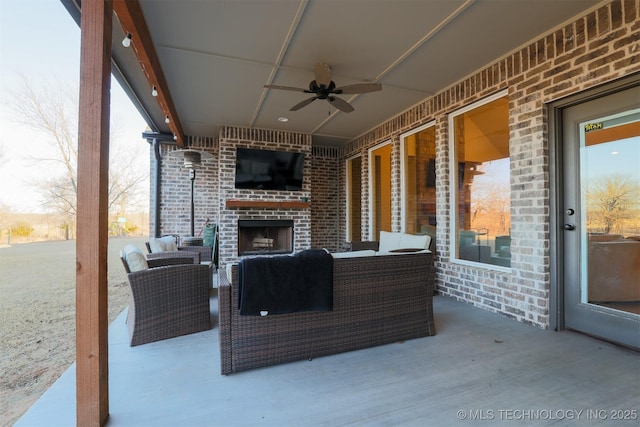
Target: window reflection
[
  {"x": 610, "y": 177},
  {"x": 483, "y": 196},
  {"x": 354, "y": 199},
  {"x": 380, "y": 164},
  {"x": 420, "y": 182}
]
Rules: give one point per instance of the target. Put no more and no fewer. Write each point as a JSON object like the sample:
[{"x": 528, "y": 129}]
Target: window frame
[
  {"x": 454, "y": 185},
  {"x": 371, "y": 184},
  {"x": 348, "y": 191},
  {"x": 403, "y": 175}
]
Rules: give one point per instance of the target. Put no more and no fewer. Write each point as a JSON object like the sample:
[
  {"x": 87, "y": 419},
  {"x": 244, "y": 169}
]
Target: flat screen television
[{"x": 269, "y": 170}]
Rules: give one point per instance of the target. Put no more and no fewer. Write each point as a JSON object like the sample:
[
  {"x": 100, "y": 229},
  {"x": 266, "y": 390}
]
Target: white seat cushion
[
  {"x": 163, "y": 244},
  {"x": 228, "y": 269},
  {"x": 400, "y": 252},
  {"x": 134, "y": 258},
  {"x": 354, "y": 254}
]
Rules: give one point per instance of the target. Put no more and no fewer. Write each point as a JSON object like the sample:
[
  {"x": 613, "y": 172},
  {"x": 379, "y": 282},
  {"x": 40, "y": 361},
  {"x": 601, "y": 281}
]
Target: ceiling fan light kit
[{"x": 324, "y": 88}]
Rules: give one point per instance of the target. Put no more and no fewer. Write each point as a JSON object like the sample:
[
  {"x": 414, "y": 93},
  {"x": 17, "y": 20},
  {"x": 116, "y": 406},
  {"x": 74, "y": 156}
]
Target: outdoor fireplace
[{"x": 262, "y": 237}]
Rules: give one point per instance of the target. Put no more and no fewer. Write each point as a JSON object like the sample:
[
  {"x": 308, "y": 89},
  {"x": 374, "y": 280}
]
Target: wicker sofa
[{"x": 377, "y": 299}]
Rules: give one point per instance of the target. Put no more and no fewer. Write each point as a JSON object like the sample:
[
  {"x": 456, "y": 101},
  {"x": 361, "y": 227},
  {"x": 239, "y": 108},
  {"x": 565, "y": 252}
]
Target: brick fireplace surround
[{"x": 314, "y": 210}]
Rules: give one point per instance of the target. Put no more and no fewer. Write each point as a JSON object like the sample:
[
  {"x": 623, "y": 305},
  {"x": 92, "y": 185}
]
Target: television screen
[{"x": 269, "y": 170}]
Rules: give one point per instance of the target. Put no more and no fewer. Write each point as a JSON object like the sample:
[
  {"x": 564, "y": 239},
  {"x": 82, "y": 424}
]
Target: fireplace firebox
[{"x": 260, "y": 237}]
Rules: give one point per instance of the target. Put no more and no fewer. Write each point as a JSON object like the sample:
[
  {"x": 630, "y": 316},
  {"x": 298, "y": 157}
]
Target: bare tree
[
  {"x": 53, "y": 111},
  {"x": 612, "y": 200},
  {"x": 490, "y": 208}
]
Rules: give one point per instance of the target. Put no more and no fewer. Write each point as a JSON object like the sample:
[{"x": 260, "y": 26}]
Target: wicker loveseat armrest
[
  {"x": 193, "y": 256},
  {"x": 365, "y": 245},
  {"x": 166, "y": 261},
  {"x": 205, "y": 252},
  {"x": 225, "y": 307}
]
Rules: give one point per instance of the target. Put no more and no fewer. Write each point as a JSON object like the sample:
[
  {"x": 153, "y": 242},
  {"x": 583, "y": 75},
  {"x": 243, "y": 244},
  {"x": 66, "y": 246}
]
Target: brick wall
[
  {"x": 175, "y": 189},
  {"x": 327, "y": 197},
  {"x": 596, "y": 48}
]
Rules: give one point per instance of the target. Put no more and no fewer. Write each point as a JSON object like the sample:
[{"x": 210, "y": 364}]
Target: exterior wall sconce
[{"x": 126, "y": 42}]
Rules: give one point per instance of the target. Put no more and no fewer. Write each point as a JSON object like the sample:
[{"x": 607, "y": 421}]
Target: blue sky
[{"x": 39, "y": 40}]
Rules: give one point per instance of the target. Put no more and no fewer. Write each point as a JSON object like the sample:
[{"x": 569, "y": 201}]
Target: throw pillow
[
  {"x": 135, "y": 258},
  {"x": 163, "y": 244},
  {"x": 228, "y": 269},
  {"x": 414, "y": 241}
]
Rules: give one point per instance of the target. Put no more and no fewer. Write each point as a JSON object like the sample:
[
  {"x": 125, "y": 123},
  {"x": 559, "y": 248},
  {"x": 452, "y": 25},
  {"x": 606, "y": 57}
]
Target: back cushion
[
  {"x": 135, "y": 258},
  {"x": 163, "y": 244},
  {"x": 415, "y": 242},
  {"x": 389, "y": 241}
]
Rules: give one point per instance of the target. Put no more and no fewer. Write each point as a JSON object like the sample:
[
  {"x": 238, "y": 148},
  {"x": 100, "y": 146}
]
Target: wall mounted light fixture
[{"x": 126, "y": 42}]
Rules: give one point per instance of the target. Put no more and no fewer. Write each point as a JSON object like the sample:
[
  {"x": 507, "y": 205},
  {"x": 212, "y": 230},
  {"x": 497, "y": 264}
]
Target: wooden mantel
[{"x": 266, "y": 204}]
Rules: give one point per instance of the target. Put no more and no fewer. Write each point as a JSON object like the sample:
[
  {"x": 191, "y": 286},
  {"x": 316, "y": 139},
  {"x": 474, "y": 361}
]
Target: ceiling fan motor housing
[{"x": 321, "y": 90}]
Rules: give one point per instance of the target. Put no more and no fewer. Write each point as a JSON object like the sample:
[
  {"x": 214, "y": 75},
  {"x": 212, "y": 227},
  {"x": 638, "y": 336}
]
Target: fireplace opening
[{"x": 260, "y": 237}]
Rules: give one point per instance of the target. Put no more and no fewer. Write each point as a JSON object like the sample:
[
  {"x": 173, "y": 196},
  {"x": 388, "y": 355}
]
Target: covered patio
[
  {"x": 480, "y": 367},
  {"x": 209, "y": 75}
]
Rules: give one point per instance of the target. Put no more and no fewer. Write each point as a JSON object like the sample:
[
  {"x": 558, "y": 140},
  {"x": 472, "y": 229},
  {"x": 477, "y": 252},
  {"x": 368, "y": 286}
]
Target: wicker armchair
[
  {"x": 203, "y": 254},
  {"x": 169, "y": 298}
]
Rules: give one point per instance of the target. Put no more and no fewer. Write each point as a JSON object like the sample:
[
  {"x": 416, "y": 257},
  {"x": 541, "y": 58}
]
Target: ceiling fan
[{"x": 324, "y": 88}]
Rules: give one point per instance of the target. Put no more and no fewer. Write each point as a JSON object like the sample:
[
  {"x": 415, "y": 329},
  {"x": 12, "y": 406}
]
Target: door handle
[{"x": 569, "y": 227}]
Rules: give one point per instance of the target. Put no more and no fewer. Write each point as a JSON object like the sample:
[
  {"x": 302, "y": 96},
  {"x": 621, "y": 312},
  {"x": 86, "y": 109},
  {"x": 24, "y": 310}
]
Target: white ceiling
[{"x": 217, "y": 55}]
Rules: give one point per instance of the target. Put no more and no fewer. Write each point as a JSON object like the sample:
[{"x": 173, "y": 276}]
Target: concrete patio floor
[{"x": 479, "y": 368}]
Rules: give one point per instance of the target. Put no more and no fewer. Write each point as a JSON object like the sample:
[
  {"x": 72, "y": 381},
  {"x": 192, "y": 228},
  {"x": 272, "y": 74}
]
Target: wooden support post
[{"x": 92, "y": 373}]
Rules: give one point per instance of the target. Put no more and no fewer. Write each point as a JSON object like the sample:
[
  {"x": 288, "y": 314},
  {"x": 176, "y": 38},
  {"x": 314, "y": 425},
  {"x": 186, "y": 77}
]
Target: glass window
[
  {"x": 380, "y": 185},
  {"x": 354, "y": 199},
  {"x": 481, "y": 175},
  {"x": 419, "y": 182}
]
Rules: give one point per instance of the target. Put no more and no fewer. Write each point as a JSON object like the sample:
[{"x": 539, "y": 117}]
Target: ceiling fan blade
[
  {"x": 359, "y": 88},
  {"x": 340, "y": 104},
  {"x": 295, "y": 89},
  {"x": 323, "y": 74},
  {"x": 299, "y": 105}
]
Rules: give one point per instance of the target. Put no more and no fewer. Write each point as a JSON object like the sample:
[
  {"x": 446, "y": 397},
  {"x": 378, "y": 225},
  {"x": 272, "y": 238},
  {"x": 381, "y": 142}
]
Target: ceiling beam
[
  {"x": 283, "y": 50},
  {"x": 132, "y": 21},
  {"x": 406, "y": 54}
]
